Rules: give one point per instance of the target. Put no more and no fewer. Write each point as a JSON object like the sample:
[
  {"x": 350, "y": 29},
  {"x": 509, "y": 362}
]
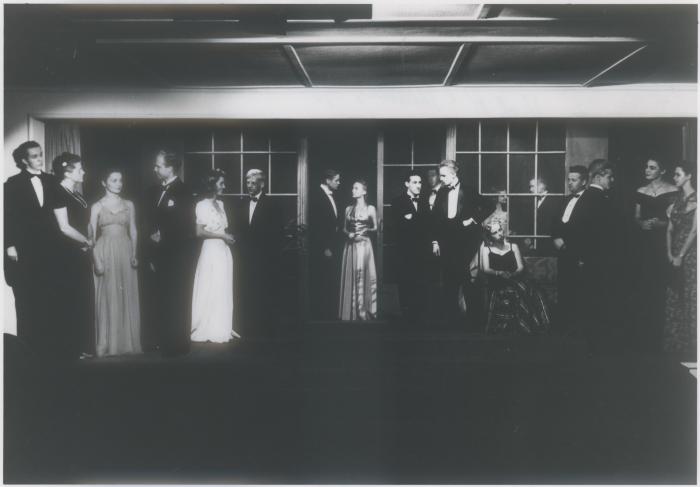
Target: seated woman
[{"x": 514, "y": 303}]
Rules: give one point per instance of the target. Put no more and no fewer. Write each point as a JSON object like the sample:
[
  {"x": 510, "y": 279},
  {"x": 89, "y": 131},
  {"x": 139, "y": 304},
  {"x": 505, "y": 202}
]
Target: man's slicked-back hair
[
  {"x": 580, "y": 170},
  {"x": 22, "y": 152},
  {"x": 449, "y": 163},
  {"x": 171, "y": 159},
  {"x": 599, "y": 167},
  {"x": 328, "y": 174}
]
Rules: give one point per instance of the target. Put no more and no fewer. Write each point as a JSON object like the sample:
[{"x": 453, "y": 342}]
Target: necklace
[{"x": 76, "y": 196}]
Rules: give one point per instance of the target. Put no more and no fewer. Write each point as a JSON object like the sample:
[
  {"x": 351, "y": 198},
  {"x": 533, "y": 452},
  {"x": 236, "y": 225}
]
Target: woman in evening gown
[
  {"x": 117, "y": 310},
  {"x": 652, "y": 202},
  {"x": 75, "y": 296},
  {"x": 358, "y": 276},
  {"x": 212, "y": 298},
  {"x": 514, "y": 304},
  {"x": 680, "y": 332}
]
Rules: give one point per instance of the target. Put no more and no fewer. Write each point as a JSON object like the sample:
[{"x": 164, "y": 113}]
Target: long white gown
[{"x": 212, "y": 298}]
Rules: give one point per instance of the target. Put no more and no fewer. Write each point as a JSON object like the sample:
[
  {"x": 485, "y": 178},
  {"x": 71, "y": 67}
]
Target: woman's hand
[
  {"x": 134, "y": 262},
  {"x": 677, "y": 261},
  {"x": 646, "y": 224},
  {"x": 99, "y": 268},
  {"x": 669, "y": 257},
  {"x": 229, "y": 239},
  {"x": 351, "y": 236}
]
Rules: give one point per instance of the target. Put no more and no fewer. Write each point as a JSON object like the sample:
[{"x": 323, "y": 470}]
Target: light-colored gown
[
  {"x": 117, "y": 309},
  {"x": 358, "y": 277},
  {"x": 212, "y": 298}
]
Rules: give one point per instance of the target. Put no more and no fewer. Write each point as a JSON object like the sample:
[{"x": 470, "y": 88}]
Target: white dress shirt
[
  {"x": 252, "y": 205},
  {"x": 433, "y": 196},
  {"x": 570, "y": 207},
  {"x": 452, "y": 200},
  {"x": 540, "y": 200},
  {"x": 329, "y": 193},
  {"x": 38, "y": 187}
]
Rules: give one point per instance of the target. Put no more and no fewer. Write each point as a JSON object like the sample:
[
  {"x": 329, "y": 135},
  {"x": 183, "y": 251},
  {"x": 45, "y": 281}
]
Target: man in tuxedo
[
  {"x": 582, "y": 237},
  {"x": 171, "y": 228},
  {"x": 548, "y": 206},
  {"x": 325, "y": 220},
  {"x": 459, "y": 212},
  {"x": 31, "y": 231},
  {"x": 259, "y": 232},
  {"x": 432, "y": 188},
  {"x": 411, "y": 218}
]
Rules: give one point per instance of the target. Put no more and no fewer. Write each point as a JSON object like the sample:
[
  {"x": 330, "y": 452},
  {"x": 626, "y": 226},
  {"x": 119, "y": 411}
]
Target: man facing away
[
  {"x": 459, "y": 212},
  {"x": 171, "y": 228},
  {"x": 324, "y": 244}
]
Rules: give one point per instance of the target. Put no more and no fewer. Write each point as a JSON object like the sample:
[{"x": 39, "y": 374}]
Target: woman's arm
[
  {"x": 203, "y": 233},
  {"x": 518, "y": 259},
  {"x": 348, "y": 233},
  {"x": 133, "y": 232},
  {"x": 690, "y": 240},
  {"x": 92, "y": 232},
  {"x": 669, "y": 231},
  {"x": 372, "y": 218},
  {"x": 486, "y": 264},
  {"x": 65, "y": 227}
]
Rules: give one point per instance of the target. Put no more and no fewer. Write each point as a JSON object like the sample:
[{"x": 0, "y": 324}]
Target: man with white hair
[
  {"x": 260, "y": 232},
  {"x": 459, "y": 212}
]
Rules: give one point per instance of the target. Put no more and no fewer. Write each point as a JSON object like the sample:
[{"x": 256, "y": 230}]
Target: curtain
[{"x": 61, "y": 137}]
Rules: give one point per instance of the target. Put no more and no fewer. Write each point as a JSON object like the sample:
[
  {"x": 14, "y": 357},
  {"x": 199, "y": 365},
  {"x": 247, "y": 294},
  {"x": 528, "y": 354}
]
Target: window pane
[
  {"x": 552, "y": 136},
  {"x": 198, "y": 141},
  {"x": 522, "y": 170},
  {"x": 493, "y": 173},
  {"x": 469, "y": 169},
  {"x": 284, "y": 173},
  {"x": 521, "y": 215},
  {"x": 397, "y": 147},
  {"x": 551, "y": 170},
  {"x": 493, "y": 136},
  {"x": 394, "y": 178},
  {"x": 428, "y": 145},
  {"x": 227, "y": 140},
  {"x": 548, "y": 208},
  {"x": 468, "y": 136},
  {"x": 255, "y": 161},
  {"x": 522, "y": 136},
  {"x": 231, "y": 165},
  {"x": 284, "y": 140},
  {"x": 255, "y": 140},
  {"x": 196, "y": 167}
]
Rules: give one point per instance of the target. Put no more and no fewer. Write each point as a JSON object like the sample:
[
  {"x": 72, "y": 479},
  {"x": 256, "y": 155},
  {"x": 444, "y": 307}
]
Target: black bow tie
[
  {"x": 414, "y": 199},
  {"x": 32, "y": 175},
  {"x": 253, "y": 198}
]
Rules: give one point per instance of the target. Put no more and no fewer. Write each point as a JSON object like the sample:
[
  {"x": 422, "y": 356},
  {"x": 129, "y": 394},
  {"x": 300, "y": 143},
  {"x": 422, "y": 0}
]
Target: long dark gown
[
  {"x": 680, "y": 331},
  {"x": 652, "y": 272},
  {"x": 515, "y": 305},
  {"x": 75, "y": 300}
]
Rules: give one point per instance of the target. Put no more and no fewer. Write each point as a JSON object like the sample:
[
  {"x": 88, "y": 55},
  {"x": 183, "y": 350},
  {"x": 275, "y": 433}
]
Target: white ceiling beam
[
  {"x": 462, "y": 53},
  {"x": 614, "y": 65},
  {"x": 376, "y": 39},
  {"x": 297, "y": 65}
]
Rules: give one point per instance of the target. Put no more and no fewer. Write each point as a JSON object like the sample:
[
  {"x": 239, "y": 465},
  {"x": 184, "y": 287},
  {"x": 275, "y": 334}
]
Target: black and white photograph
[{"x": 360, "y": 242}]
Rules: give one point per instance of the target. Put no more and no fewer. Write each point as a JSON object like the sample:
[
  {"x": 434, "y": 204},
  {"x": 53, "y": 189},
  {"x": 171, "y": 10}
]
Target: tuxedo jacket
[
  {"x": 30, "y": 228},
  {"x": 324, "y": 224},
  {"x": 547, "y": 214},
  {"x": 172, "y": 215},
  {"x": 460, "y": 241},
  {"x": 263, "y": 236},
  {"x": 589, "y": 227},
  {"x": 412, "y": 226}
]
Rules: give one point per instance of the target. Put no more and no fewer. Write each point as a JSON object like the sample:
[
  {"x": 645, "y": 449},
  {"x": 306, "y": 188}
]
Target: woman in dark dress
[
  {"x": 652, "y": 203},
  {"x": 680, "y": 331},
  {"x": 514, "y": 304},
  {"x": 74, "y": 296}
]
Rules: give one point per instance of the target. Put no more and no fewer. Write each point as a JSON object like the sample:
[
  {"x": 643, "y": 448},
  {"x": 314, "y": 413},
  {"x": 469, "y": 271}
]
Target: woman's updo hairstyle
[
  {"x": 209, "y": 181},
  {"x": 64, "y": 163}
]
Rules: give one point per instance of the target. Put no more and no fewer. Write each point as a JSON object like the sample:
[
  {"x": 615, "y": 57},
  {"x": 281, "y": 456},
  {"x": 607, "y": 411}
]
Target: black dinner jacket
[
  {"x": 452, "y": 232},
  {"x": 547, "y": 213},
  {"x": 412, "y": 225},
  {"x": 263, "y": 235},
  {"x": 324, "y": 225},
  {"x": 173, "y": 217},
  {"x": 29, "y": 227}
]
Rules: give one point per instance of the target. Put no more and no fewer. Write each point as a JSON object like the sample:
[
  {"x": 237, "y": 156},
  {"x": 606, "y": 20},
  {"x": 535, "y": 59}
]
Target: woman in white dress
[{"x": 212, "y": 298}]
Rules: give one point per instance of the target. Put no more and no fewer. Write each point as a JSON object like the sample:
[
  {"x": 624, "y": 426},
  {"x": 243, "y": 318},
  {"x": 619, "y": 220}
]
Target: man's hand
[
  {"x": 328, "y": 253},
  {"x": 436, "y": 249},
  {"x": 12, "y": 254},
  {"x": 156, "y": 237},
  {"x": 559, "y": 243}
]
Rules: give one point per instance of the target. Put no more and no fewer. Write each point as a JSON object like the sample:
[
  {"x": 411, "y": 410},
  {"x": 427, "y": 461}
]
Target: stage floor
[{"x": 354, "y": 404}]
